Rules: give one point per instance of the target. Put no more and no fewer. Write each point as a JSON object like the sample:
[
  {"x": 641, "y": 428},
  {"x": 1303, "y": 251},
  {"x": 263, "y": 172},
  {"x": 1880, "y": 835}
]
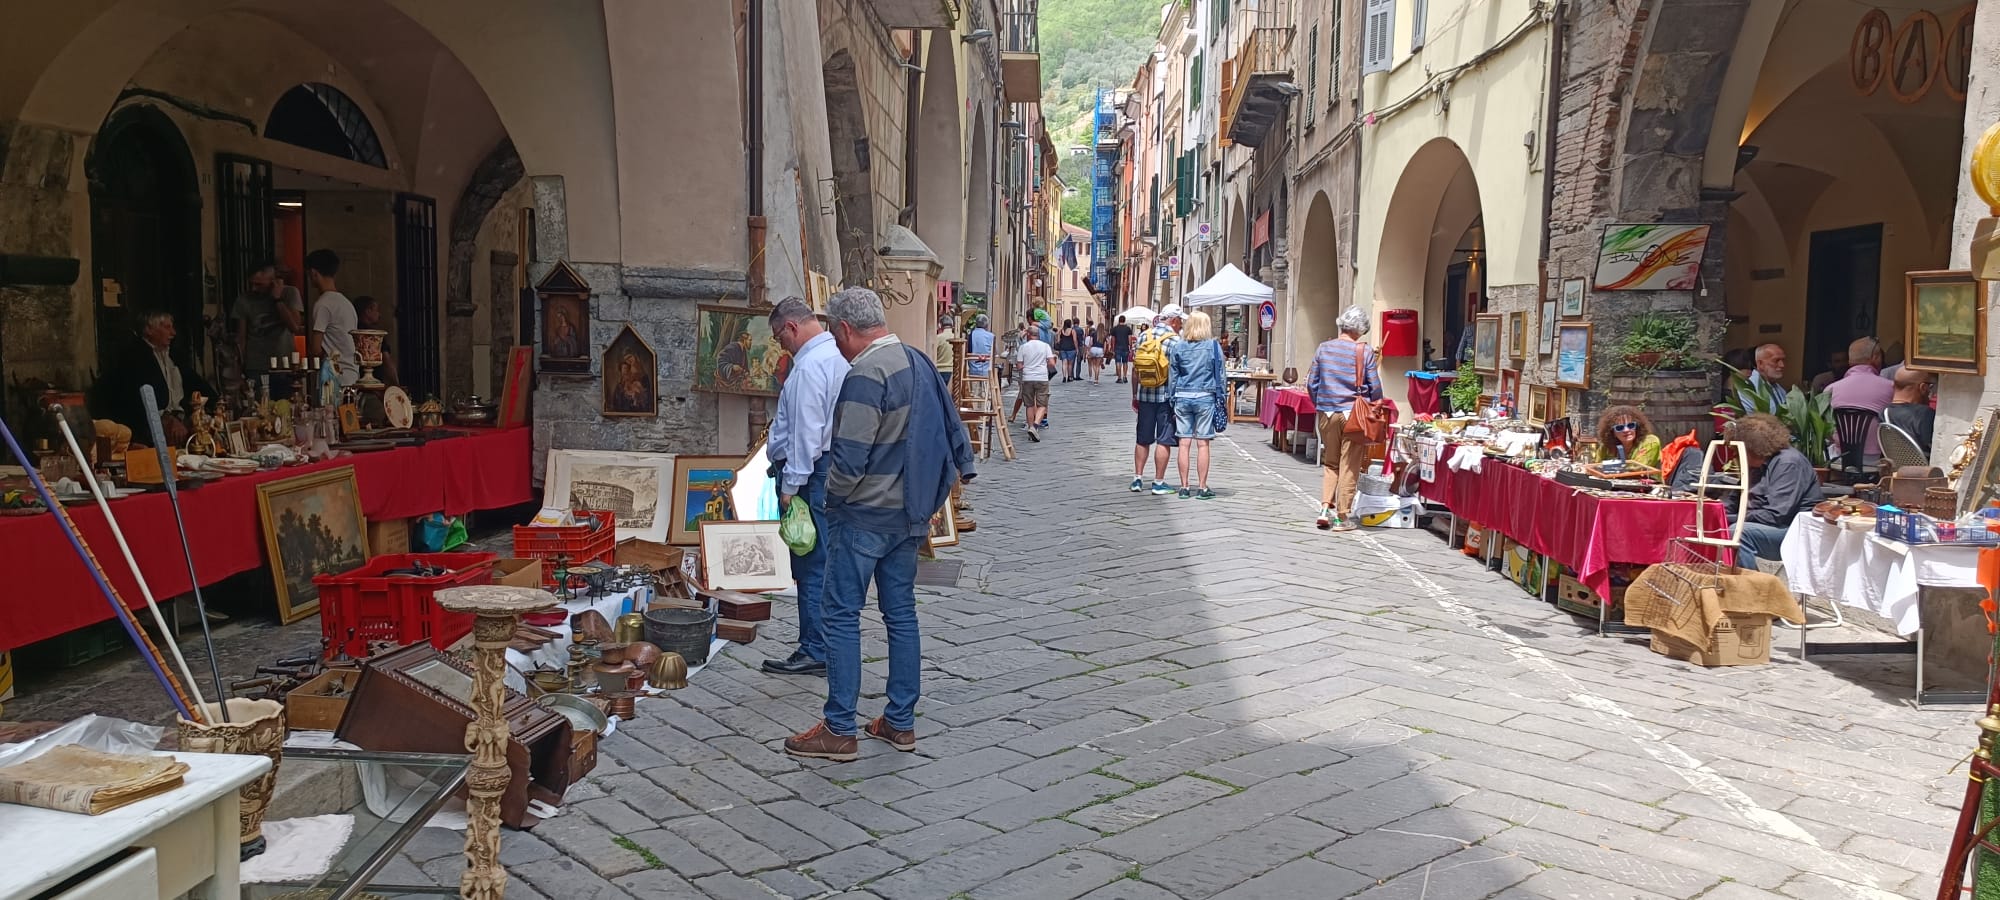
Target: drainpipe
[
  {"x": 1554, "y": 109},
  {"x": 758, "y": 289}
]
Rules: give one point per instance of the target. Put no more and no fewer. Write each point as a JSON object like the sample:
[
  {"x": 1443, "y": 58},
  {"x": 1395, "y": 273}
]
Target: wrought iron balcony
[{"x": 1021, "y": 50}]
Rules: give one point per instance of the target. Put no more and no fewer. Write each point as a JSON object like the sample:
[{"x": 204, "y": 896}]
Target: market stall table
[
  {"x": 1253, "y": 381},
  {"x": 485, "y": 469},
  {"x": 1281, "y": 408}
]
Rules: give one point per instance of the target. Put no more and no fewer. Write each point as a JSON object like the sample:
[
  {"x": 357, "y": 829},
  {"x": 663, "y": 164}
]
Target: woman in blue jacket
[{"x": 1194, "y": 365}]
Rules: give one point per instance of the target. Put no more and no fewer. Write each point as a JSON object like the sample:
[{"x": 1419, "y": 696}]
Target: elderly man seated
[{"x": 1782, "y": 485}]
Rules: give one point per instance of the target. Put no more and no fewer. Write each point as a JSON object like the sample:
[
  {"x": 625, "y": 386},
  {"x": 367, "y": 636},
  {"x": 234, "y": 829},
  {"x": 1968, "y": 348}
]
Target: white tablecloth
[
  {"x": 555, "y": 654},
  {"x": 1857, "y": 568}
]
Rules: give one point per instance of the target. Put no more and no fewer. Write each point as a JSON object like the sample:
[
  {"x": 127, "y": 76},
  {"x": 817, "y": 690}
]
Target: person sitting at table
[
  {"x": 150, "y": 360},
  {"x": 1624, "y": 433},
  {"x": 1782, "y": 485}
]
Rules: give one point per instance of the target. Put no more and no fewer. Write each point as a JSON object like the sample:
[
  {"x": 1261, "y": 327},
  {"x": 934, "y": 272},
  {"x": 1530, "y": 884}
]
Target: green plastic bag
[{"x": 797, "y": 528}]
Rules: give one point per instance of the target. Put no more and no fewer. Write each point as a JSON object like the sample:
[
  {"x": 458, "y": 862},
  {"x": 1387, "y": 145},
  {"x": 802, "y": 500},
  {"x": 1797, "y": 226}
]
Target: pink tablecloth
[
  {"x": 1284, "y": 406},
  {"x": 1576, "y": 528}
]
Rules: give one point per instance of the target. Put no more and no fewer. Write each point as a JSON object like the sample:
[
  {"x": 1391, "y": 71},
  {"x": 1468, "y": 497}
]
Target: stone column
[{"x": 1962, "y": 397}]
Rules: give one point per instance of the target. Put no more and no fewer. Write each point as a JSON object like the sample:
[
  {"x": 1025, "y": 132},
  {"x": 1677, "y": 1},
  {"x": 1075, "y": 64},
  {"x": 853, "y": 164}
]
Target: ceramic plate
[{"x": 396, "y": 406}]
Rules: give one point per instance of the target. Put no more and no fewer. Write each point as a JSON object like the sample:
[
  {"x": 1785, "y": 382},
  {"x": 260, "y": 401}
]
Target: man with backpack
[{"x": 1152, "y": 397}]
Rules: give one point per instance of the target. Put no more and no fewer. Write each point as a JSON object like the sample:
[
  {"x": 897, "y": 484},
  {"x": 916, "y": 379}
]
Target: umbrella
[{"x": 1138, "y": 314}]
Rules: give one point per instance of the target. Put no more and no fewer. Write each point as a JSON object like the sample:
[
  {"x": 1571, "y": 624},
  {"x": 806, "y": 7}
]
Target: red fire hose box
[{"x": 1400, "y": 333}]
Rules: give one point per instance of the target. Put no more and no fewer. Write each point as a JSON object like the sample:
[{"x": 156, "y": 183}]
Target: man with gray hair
[
  {"x": 152, "y": 360},
  {"x": 1863, "y": 387},
  {"x": 898, "y": 446},
  {"x": 800, "y": 434}
]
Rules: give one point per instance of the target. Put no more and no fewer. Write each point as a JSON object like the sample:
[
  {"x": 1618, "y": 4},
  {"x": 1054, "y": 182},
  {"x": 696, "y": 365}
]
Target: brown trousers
[{"x": 1342, "y": 458}]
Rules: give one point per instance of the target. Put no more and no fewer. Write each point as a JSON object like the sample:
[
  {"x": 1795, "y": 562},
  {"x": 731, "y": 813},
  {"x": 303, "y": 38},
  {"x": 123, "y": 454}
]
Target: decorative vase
[
  {"x": 1291, "y": 375},
  {"x": 255, "y": 727},
  {"x": 368, "y": 353}
]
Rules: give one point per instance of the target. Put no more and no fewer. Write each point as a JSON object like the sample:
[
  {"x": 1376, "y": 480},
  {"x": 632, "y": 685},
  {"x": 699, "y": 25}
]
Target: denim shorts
[
  {"x": 1194, "y": 418},
  {"x": 1156, "y": 424}
]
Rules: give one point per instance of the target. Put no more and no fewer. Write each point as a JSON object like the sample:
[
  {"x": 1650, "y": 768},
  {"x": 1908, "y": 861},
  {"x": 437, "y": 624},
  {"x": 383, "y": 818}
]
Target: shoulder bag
[
  {"x": 1365, "y": 418},
  {"x": 1221, "y": 414}
]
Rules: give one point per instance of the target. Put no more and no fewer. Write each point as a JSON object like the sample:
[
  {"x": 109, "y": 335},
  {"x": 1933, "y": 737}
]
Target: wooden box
[
  {"x": 417, "y": 700},
  {"x": 636, "y": 552},
  {"x": 732, "y": 630},
  {"x": 742, "y": 607},
  {"x": 319, "y": 704}
]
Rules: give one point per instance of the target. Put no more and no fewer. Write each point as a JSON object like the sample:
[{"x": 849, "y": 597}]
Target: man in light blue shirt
[
  {"x": 979, "y": 356},
  {"x": 1764, "y": 378},
  {"x": 800, "y": 435}
]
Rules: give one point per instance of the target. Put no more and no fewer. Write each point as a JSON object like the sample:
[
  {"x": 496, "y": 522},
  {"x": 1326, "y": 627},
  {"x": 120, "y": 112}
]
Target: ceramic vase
[
  {"x": 368, "y": 353},
  {"x": 255, "y": 727}
]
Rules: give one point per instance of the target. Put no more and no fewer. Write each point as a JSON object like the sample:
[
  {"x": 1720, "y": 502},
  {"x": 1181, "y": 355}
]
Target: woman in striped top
[{"x": 1343, "y": 369}]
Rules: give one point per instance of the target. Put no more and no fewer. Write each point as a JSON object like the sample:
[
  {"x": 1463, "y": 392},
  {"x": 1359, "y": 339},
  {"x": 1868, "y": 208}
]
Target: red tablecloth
[
  {"x": 1578, "y": 529},
  {"x": 49, "y": 592},
  {"x": 1283, "y": 407}
]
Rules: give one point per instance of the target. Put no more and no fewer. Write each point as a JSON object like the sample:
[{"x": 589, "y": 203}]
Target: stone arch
[
  {"x": 941, "y": 186},
  {"x": 854, "y": 195},
  {"x": 1315, "y": 286},
  {"x": 1431, "y": 229},
  {"x": 145, "y": 228},
  {"x": 979, "y": 208}
]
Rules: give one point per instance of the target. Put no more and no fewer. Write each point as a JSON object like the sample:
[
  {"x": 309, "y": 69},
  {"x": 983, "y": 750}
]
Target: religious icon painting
[
  {"x": 631, "y": 376},
  {"x": 565, "y": 300},
  {"x": 735, "y": 352}
]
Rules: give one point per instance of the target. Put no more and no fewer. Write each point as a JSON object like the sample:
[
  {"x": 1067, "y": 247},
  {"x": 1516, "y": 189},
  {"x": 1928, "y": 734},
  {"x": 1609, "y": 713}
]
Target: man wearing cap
[{"x": 1156, "y": 410}]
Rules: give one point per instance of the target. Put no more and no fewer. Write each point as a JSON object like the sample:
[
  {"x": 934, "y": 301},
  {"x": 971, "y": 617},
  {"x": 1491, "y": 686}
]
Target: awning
[{"x": 1229, "y": 287}]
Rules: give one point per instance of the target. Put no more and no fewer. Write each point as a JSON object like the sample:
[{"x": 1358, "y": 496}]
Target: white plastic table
[{"x": 191, "y": 831}]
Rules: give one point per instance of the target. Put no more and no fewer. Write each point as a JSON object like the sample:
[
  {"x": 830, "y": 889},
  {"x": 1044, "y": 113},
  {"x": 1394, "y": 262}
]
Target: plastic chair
[
  {"x": 1899, "y": 446},
  {"x": 1851, "y": 427}
]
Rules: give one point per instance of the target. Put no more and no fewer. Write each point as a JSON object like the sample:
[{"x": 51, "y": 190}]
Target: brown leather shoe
[
  {"x": 819, "y": 743},
  {"x": 879, "y": 729}
]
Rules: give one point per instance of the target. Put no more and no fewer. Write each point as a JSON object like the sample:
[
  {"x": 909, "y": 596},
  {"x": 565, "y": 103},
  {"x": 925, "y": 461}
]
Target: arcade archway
[{"x": 1433, "y": 252}]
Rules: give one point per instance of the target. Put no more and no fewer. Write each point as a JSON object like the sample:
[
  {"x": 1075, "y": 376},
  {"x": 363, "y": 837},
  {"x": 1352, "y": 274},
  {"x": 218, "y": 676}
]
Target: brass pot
[
  {"x": 552, "y": 682},
  {"x": 668, "y": 673},
  {"x": 631, "y": 627}
]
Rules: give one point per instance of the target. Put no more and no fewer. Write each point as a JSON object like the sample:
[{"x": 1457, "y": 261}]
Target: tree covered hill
[{"x": 1087, "y": 45}]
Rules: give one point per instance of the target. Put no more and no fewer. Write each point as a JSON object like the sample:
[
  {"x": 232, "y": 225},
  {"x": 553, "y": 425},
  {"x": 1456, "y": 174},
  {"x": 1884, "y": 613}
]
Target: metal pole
[{"x": 168, "y": 479}]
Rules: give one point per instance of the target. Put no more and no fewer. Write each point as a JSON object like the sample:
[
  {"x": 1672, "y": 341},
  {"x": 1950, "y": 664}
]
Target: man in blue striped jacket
[{"x": 898, "y": 444}]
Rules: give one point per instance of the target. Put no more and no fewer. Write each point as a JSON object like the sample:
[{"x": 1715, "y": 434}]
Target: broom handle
[
  {"x": 168, "y": 476},
  {"x": 118, "y": 611}
]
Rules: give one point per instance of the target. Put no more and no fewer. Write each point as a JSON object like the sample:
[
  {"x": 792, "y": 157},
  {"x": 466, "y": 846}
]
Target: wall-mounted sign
[
  {"x": 1163, "y": 272},
  {"x": 1260, "y": 233},
  {"x": 1911, "y": 58},
  {"x": 1267, "y": 314},
  {"x": 1173, "y": 265}
]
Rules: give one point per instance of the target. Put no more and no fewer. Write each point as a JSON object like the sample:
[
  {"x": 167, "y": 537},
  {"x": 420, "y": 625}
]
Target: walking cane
[{"x": 168, "y": 479}]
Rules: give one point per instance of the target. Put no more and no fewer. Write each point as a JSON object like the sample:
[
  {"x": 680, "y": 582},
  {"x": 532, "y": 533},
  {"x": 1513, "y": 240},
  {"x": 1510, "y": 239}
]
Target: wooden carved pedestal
[{"x": 499, "y": 610}]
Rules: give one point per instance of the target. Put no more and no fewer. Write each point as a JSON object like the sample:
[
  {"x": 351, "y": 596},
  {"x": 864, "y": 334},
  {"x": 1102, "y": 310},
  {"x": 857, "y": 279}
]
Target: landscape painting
[
  {"x": 1573, "y": 355},
  {"x": 1946, "y": 322},
  {"x": 1486, "y": 344},
  {"x": 1650, "y": 257},
  {"x": 312, "y": 526},
  {"x": 702, "y": 492},
  {"x": 735, "y": 352}
]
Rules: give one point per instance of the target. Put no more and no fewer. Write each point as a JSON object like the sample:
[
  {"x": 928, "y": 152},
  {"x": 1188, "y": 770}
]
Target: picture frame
[
  {"x": 1573, "y": 355},
  {"x": 634, "y": 486},
  {"x": 1656, "y": 256},
  {"x": 756, "y": 492},
  {"x": 1547, "y": 338},
  {"x": 702, "y": 490},
  {"x": 1538, "y": 404},
  {"x": 631, "y": 377},
  {"x": 944, "y": 527},
  {"x": 1486, "y": 343},
  {"x": 1510, "y": 387},
  {"x": 515, "y": 387},
  {"x": 735, "y": 352},
  {"x": 1517, "y": 335},
  {"x": 350, "y": 420},
  {"x": 1945, "y": 321},
  {"x": 745, "y": 556},
  {"x": 237, "y": 437},
  {"x": 564, "y": 321},
  {"x": 819, "y": 289},
  {"x": 1572, "y": 297},
  {"x": 313, "y": 525}
]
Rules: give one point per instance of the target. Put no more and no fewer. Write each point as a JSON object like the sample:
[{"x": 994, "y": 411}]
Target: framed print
[
  {"x": 735, "y": 352},
  {"x": 1547, "y": 338},
  {"x": 1517, "y": 335},
  {"x": 631, "y": 376},
  {"x": 629, "y": 484},
  {"x": 1945, "y": 322},
  {"x": 819, "y": 289},
  {"x": 1572, "y": 297},
  {"x": 1573, "y": 355},
  {"x": 745, "y": 556},
  {"x": 944, "y": 527},
  {"x": 1538, "y": 404},
  {"x": 1486, "y": 344},
  {"x": 312, "y": 526},
  {"x": 702, "y": 491},
  {"x": 238, "y": 438},
  {"x": 1656, "y": 257}
]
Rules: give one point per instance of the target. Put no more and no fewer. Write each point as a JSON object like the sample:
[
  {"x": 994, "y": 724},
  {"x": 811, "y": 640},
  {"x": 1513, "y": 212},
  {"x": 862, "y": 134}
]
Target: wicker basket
[{"x": 1941, "y": 503}]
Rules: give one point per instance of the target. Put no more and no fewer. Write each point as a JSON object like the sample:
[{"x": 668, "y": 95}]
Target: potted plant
[
  {"x": 1463, "y": 394},
  {"x": 1655, "y": 341},
  {"x": 1809, "y": 416}
]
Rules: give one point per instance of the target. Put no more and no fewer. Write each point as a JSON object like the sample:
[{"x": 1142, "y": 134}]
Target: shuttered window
[
  {"x": 1333, "y": 59},
  {"x": 1418, "y": 14},
  {"x": 1194, "y": 82},
  {"x": 1184, "y": 185},
  {"x": 1376, "y": 36},
  {"x": 1312, "y": 74}
]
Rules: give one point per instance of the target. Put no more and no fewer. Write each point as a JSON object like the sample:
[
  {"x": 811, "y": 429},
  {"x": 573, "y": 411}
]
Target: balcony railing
[
  {"x": 1264, "y": 57},
  {"x": 1020, "y": 30}
]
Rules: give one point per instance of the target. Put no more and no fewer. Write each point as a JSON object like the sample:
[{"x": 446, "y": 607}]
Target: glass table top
[{"x": 389, "y": 795}]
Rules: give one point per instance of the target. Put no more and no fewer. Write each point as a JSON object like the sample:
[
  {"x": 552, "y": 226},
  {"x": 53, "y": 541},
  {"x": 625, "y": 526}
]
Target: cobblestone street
[{"x": 1143, "y": 697}]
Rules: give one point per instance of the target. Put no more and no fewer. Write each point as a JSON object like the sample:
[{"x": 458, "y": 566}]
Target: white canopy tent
[
  {"x": 1138, "y": 314},
  {"x": 1229, "y": 287}
]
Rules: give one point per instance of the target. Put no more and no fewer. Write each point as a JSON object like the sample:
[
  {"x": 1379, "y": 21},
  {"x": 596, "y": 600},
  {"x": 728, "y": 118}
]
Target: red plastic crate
[
  {"x": 579, "y": 543},
  {"x": 367, "y": 605}
]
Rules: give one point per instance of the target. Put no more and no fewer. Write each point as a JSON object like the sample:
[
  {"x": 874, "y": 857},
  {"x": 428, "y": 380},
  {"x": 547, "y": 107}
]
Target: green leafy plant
[
  {"x": 1660, "y": 341},
  {"x": 1809, "y": 416},
  {"x": 1464, "y": 393}
]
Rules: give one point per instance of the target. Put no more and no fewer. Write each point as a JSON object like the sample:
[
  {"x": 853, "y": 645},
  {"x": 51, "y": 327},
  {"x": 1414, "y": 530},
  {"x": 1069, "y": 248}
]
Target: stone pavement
[{"x": 1133, "y": 697}]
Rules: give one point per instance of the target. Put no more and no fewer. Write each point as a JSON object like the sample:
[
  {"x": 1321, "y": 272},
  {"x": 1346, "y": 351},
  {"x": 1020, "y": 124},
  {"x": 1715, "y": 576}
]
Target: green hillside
[{"x": 1087, "y": 45}]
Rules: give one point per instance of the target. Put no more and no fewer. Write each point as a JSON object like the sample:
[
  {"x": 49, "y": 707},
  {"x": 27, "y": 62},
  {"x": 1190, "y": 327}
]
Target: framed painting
[
  {"x": 238, "y": 435},
  {"x": 735, "y": 352},
  {"x": 312, "y": 526},
  {"x": 1945, "y": 322},
  {"x": 819, "y": 289},
  {"x": 1572, "y": 298},
  {"x": 565, "y": 321},
  {"x": 1486, "y": 344},
  {"x": 944, "y": 527},
  {"x": 1517, "y": 335},
  {"x": 631, "y": 376},
  {"x": 1538, "y": 404},
  {"x": 745, "y": 556},
  {"x": 1547, "y": 338},
  {"x": 1573, "y": 355},
  {"x": 514, "y": 387},
  {"x": 1656, "y": 257},
  {"x": 629, "y": 484},
  {"x": 1510, "y": 387},
  {"x": 702, "y": 491}
]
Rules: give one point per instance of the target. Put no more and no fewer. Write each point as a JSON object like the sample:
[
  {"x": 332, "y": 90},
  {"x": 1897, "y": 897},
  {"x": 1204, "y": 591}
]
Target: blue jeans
[
  {"x": 1759, "y": 540},
  {"x": 810, "y": 570},
  {"x": 855, "y": 556},
  {"x": 1069, "y": 362}
]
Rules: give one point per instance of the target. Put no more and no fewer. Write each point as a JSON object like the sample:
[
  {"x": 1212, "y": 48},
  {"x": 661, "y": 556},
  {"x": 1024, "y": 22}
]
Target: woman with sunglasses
[{"x": 1624, "y": 433}]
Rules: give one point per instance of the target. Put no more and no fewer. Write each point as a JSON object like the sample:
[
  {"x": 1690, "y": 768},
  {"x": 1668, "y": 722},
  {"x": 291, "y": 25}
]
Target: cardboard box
[
  {"x": 6, "y": 676},
  {"x": 318, "y": 704},
  {"x": 636, "y": 552},
  {"x": 388, "y": 536},
  {"x": 1738, "y": 640},
  {"x": 518, "y": 573}
]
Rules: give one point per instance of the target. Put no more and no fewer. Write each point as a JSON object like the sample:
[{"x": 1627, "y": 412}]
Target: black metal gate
[
  {"x": 242, "y": 220},
  {"x": 417, "y": 336}
]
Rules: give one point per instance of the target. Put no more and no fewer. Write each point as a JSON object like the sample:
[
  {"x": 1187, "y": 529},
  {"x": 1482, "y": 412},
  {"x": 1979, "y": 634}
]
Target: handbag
[
  {"x": 1221, "y": 414},
  {"x": 1365, "y": 418}
]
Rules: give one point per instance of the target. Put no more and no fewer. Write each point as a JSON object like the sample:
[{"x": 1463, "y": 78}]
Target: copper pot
[
  {"x": 624, "y": 705},
  {"x": 611, "y": 677},
  {"x": 590, "y": 623},
  {"x": 611, "y": 654},
  {"x": 641, "y": 654}
]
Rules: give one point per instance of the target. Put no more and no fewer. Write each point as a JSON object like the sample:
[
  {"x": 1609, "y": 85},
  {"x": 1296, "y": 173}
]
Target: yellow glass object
[{"x": 1986, "y": 168}]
